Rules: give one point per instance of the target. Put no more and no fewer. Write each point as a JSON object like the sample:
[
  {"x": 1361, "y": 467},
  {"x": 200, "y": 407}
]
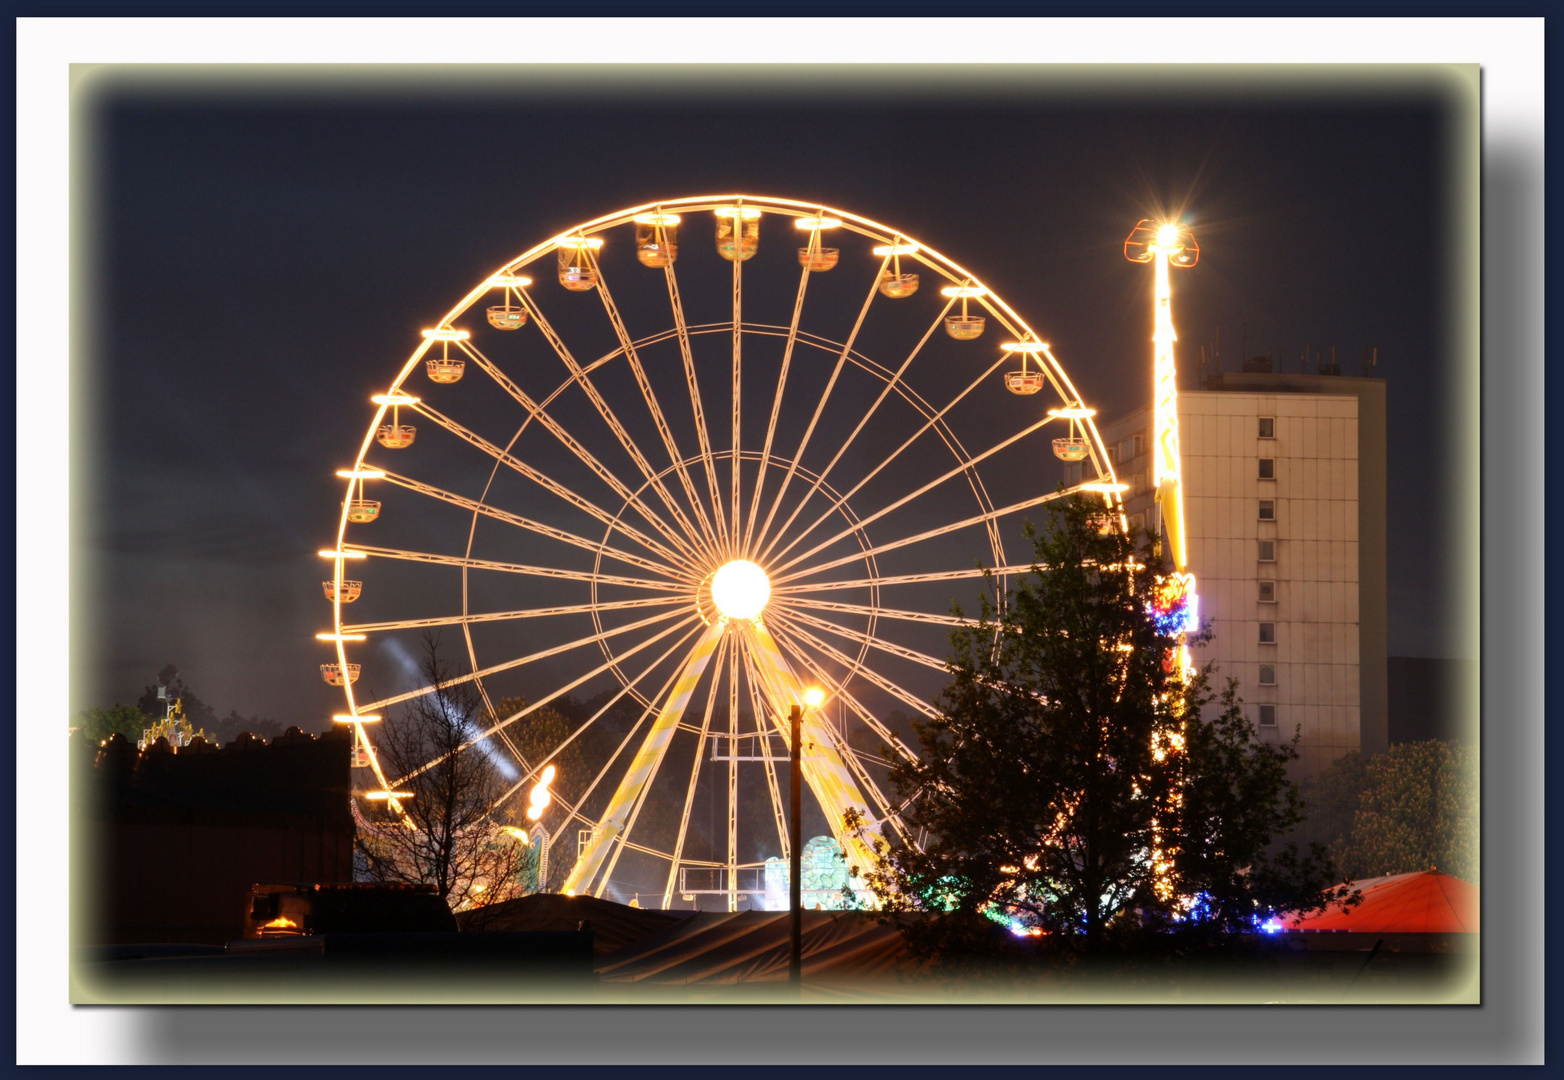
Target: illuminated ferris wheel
[{"x": 672, "y": 490}]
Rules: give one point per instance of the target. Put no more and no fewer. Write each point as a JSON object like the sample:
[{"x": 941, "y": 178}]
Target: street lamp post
[{"x": 795, "y": 861}]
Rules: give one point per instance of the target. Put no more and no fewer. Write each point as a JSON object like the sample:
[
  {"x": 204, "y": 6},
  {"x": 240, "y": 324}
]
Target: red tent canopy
[{"x": 1426, "y": 902}]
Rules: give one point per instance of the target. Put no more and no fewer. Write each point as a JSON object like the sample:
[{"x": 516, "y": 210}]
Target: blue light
[{"x": 1175, "y": 607}]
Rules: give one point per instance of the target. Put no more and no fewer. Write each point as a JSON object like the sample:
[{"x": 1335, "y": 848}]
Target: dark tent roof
[
  {"x": 752, "y": 946},
  {"x": 616, "y": 925}
]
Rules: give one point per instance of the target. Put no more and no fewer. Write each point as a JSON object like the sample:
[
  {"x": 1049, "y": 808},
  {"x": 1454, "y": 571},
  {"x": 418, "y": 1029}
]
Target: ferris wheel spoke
[
  {"x": 553, "y": 650},
  {"x": 738, "y": 357},
  {"x": 791, "y": 604},
  {"x": 554, "y": 487},
  {"x": 977, "y": 519},
  {"x": 695, "y": 774},
  {"x": 885, "y": 392},
  {"x": 849, "y": 756},
  {"x": 697, "y": 409},
  {"x": 781, "y": 591},
  {"x": 552, "y": 696},
  {"x": 776, "y": 401},
  {"x": 675, "y": 458},
  {"x": 862, "y": 638},
  {"x": 507, "y": 616},
  {"x": 850, "y": 664},
  {"x": 483, "y": 691},
  {"x": 803, "y": 444},
  {"x": 538, "y": 412},
  {"x": 512, "y": 568},
  {"x": 537, "y": 527},
  {"x": 584, "y": 381},
  {"x": 951, "y": 474},
  {"x": 626, "y": 686},
  {"x": 837, "y": 688},
  {"x": 928, "y": 425}
]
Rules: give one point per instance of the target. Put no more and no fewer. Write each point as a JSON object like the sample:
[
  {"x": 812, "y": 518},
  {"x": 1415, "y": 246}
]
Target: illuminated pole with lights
[{"x": 1175, "y": 603}]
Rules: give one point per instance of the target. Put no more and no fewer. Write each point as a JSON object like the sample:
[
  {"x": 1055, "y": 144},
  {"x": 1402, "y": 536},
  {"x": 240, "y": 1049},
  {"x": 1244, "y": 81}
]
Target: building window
[
  {"x": 1267, "y": 468},
  {"x": 1267, "y": 592},
  {"x": 1267, "y": 550},
  {"x": 1113, "y": 455},
  {"x": 1267, "y": 675},
  {"x": 1131, "y": 447},
  {"x": 1267, "y": 427},
  {"x": 1267, "y": 509},
  {"x": 1267, "y": 715},
  {"x": 1267, "y": 633}
]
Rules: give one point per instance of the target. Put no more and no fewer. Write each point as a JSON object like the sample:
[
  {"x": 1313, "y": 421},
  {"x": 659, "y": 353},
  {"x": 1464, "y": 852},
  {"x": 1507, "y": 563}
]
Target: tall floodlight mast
[{"x": 1176, "y": 604}]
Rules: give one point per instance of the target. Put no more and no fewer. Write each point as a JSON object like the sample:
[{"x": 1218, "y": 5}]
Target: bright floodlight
[
  {"x": 740, "y": 589},
  {"x": 1167, "y": 236},
  {"x": 813, "y": 697}
]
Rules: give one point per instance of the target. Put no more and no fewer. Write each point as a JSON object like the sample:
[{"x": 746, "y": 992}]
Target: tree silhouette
[{"x": 445, "y": 834}]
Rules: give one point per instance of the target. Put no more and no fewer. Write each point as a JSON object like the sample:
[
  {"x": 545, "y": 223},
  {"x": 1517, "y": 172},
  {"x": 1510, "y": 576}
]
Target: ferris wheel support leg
[
  {"x": 824, "y": 770},
  {"x": 644, "y": 767}
]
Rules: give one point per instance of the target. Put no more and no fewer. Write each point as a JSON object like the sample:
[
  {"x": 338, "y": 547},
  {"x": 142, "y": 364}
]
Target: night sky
[{"x": 266, "y": 256}]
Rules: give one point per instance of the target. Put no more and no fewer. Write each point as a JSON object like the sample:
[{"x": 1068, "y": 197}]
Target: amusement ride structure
[
  {"x": 1177, "y": 608},
  {"x": 738, "y": 475}
]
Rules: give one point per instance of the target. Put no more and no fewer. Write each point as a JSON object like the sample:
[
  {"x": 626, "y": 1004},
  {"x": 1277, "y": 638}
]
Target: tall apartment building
[{"x": 1284, "y": 488}]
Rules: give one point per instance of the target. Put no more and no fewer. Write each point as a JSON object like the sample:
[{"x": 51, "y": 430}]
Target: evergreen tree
[{"x": 1044, "y": 783}]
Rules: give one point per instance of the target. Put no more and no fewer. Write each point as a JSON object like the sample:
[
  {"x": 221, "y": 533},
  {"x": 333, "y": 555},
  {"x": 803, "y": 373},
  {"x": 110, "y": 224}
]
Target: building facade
[{"x": 1284, "y": 489}]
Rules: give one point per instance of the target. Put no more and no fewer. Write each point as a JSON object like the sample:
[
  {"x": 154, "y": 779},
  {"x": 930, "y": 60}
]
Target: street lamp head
[
  {"x": 1167, "y": 236},
  {"x": 813, "y": 697}
]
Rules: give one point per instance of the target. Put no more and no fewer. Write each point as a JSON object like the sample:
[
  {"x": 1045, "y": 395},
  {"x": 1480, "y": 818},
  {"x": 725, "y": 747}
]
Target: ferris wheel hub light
[{"x": 740, "y": 589}]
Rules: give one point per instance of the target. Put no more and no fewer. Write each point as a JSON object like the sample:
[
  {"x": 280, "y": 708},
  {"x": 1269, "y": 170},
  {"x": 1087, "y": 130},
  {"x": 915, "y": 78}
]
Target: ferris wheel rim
[{"x": 795, "y": 627}]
